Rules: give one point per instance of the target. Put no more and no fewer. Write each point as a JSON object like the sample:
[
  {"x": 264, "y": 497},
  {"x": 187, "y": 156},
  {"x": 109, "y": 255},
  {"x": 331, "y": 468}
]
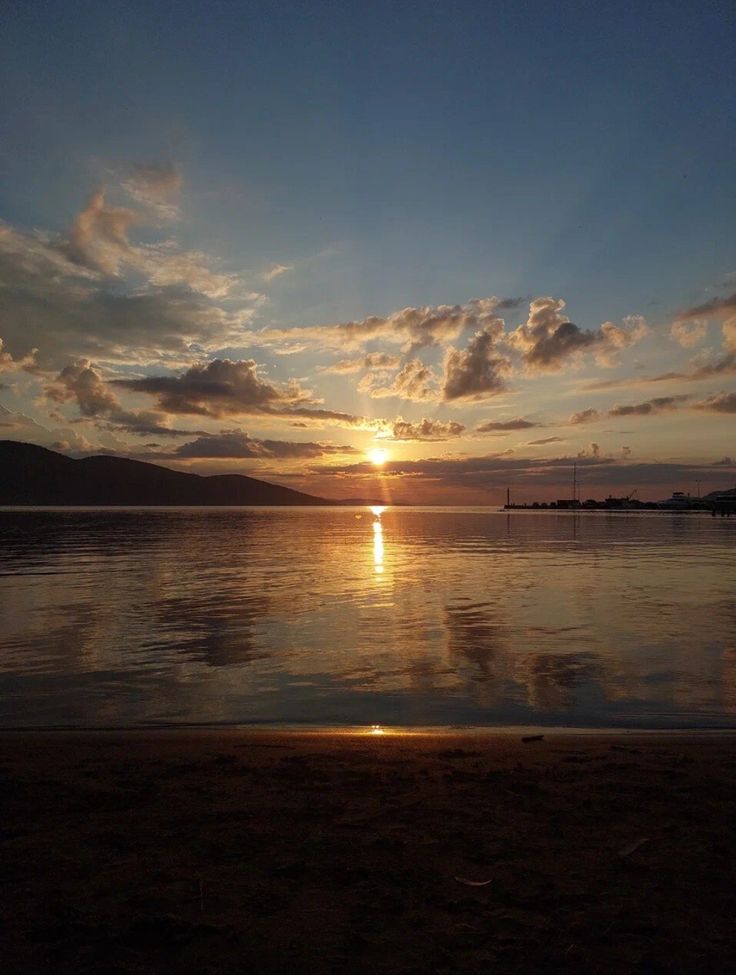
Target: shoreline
[
  {"x": 226, "y": 850},
  {"x": 290, "y": 732}
]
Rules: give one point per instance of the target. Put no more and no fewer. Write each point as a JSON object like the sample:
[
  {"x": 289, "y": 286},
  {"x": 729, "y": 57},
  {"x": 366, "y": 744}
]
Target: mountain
[{"x": 34, "y": 475}]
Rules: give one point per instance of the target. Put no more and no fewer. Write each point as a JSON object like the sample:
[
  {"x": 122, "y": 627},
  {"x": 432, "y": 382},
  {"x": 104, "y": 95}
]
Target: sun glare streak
[{"x": 377, "y": 545}]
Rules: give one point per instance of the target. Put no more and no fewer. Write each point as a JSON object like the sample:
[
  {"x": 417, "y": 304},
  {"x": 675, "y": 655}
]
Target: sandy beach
[{"x": 229, "y": 851}]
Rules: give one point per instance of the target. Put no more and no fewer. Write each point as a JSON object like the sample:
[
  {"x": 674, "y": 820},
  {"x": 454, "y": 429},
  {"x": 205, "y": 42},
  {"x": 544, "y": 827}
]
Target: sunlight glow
[
  {"x": 377, "y": 545},
  {"x": 378, "y": 456}
]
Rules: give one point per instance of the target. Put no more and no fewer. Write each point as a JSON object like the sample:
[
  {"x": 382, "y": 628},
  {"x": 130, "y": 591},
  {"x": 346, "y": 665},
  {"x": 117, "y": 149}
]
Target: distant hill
[
  {"x": 365, "y": 503},
  {"x": 729, "y": 493},
  {"x": 33, "y": 475}
]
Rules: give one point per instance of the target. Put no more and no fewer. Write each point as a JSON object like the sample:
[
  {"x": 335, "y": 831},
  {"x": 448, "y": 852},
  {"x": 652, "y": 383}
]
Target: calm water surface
[{"x": 341, "y": 617}]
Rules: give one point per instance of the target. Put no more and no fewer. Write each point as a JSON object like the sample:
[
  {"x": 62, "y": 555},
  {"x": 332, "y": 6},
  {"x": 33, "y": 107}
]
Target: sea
[{"x": 393, "y": 618}]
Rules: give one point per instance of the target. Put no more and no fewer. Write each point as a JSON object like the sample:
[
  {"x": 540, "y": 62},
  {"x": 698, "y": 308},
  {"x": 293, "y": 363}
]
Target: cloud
[
  {"x": 541, "y": 478},
  {"x": 426, "y": 429},
  {"x": 494, "y": 471},
  {"x": 221, "y": 387},
  {"x": 70, "y": 309},
  {"x": 477, "y": 372},
  {"x": 17, "y": 426},
  {"x": 703, "y": 365},
  {"x": 722, "y": 366},
  {"x": 224, "y": 387},
  {"x": 543, "y": 441},
  {"x": 276, "y": 270},
  {"x": 414, "y": 381},
  {"x": 81, "y": 383},
  {"x": 11, "y": 423},
  {"x": 660, "y": 404},
  {"x": 26, "y": 363},
  {"x": 718, "y": 403},
  {"x": 333, "y": 417},
  {"x": 548, "y": 339},
  {"x": 585, "y": 416},
  {"x": 463, "y": 465},
  {"x": 688, "y": 334},
  {"x": 379, "y": 361},
  {"x": 714, "y": 307},
  {"x": 505, "y": 425},
  {"x": 615, "y": 338},
  {"x": 592, "y": 450},
  {"x": 414, "y": 328},
  {"x": 729, "y": 334},
  {"x": 98, "y": 238},
  {"x": 236, "y": 444},
  {"x": 156, "y": 186},
  {"x": 165, "y": 266}
]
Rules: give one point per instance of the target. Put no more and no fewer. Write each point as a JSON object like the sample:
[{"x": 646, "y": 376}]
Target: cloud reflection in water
[{"x": 256, "y": 615}]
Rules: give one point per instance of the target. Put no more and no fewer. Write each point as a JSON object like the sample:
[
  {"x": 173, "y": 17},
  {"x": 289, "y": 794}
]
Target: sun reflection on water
[{"x": 377, "y": 539}]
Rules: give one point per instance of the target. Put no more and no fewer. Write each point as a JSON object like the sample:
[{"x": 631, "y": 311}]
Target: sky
[{"x": 421, "y": 251}]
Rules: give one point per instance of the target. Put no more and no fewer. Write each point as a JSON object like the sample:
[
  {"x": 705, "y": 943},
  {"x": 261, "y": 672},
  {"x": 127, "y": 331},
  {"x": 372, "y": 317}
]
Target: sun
[{"x": 378, "y": 456}]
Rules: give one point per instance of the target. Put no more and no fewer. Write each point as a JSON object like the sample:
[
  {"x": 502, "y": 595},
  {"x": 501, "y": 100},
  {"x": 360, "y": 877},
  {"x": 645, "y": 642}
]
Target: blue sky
[{"x": 389, "y": 156}]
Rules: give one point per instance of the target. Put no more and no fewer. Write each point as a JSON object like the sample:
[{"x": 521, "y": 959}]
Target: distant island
[{"x": 32, "y": 475}]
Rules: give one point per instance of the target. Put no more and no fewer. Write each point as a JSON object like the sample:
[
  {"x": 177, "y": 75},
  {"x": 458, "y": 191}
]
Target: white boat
[{"x": 680, "y": 502}]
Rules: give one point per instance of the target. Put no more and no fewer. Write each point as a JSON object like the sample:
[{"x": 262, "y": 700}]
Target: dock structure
[
  {"x": 721, "y": 502},
  {"x": 723, "y": 505},
  {"x": 717, "y": 504}
]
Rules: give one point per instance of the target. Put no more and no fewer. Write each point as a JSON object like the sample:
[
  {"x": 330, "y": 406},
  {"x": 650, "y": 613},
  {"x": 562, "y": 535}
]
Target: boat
[{"x": 682, "y": 502}]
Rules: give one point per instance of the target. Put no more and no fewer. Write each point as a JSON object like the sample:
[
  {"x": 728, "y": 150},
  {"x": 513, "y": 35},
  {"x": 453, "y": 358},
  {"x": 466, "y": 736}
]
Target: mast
[{"x": 575, "y": 481}]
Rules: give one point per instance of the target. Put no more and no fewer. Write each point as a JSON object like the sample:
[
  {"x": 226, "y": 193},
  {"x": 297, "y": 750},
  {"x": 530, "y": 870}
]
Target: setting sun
[{"x": 378, "y": 456}]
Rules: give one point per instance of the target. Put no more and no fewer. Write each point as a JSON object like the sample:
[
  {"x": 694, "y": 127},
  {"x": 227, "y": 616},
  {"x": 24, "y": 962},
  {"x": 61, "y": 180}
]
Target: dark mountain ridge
[{"x": 32, "y": 475}]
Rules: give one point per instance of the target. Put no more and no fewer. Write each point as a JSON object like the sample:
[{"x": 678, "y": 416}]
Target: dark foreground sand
[{"x": 220, "y": 852}]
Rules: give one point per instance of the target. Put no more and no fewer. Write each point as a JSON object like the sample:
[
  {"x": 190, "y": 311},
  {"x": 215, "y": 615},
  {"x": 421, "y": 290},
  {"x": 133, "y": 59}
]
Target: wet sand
[{"x": 226, "y": 851}]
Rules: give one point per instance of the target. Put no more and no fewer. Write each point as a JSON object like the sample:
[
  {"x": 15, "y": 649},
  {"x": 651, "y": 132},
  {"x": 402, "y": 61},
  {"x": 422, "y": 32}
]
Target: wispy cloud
[
  {"x": 688, "y": 334},
  {"x": 585, "y": 416},
  {"x": 156, "y": 186},
  {"x": 413, "y": 328},
  {"x": 377, "y": 361},
  {"x": 505, "y": 426},
  {"x": 426, "y": 430},
  {"x": 276, "y": 270},
  {"x": 235, "y": 444},
  {"x": 414, "y": 381},
  {"x": 715, "y": 307},
  {"x": 660, "y": 404},
  {"x": 507, "y": 468},
  {"x": 718, "y": 403},
  {"x": 70, "y": 297}
]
